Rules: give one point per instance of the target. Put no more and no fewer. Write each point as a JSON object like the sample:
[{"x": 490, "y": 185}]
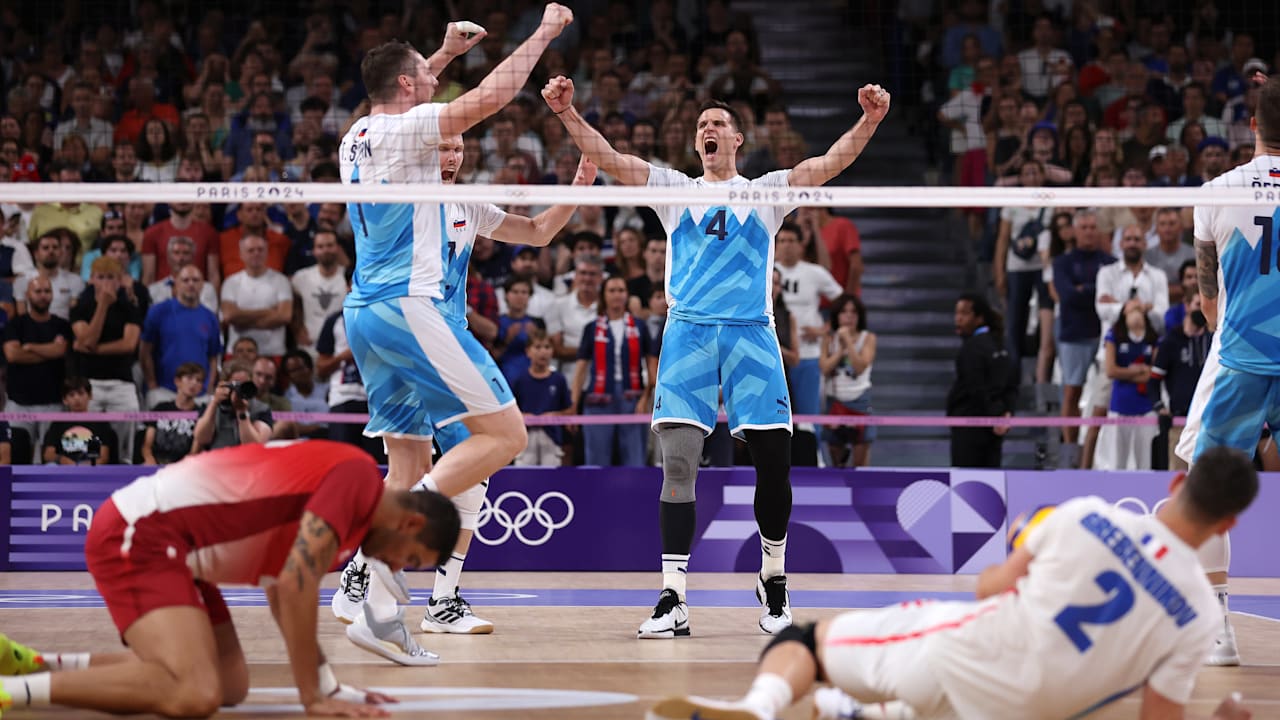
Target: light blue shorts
[
  {"x": 698, "y": 360},
  {"x": 1239, "y": 404},
  {"x": 421, "y": 368}
]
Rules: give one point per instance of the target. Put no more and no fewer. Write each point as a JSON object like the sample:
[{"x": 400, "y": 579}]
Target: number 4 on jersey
[{"x": 716, "y": 225}]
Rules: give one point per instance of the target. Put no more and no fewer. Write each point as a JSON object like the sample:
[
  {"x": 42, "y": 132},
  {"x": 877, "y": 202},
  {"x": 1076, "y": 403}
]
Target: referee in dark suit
[{"x": 985, "y": 383}]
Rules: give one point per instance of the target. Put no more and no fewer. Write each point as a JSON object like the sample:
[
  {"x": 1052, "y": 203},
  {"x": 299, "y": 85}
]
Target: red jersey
[{"x": 238, "y": 509}]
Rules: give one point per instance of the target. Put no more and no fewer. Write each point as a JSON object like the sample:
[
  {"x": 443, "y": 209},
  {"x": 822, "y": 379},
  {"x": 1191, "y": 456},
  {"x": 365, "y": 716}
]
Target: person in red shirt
[
  {"x": 143, "y": 107},
  {"x": 253, "y": 221},
  {"x": 844, "y": 246},
  {"x": 279, "y": 516}
]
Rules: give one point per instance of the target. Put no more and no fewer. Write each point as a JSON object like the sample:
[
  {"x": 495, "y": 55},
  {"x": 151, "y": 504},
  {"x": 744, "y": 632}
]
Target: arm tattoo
[
  {"x": 1207, "y": 270},
  {"x": 313, "y": 550}
]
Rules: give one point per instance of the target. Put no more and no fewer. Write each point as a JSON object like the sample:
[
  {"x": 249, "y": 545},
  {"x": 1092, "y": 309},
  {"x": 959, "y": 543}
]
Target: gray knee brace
[{"x": 681, "y": 447}]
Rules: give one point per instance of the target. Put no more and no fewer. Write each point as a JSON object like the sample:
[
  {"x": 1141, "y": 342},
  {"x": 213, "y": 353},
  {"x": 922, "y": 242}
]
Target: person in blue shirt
[
  {"x": 1130, "y": 348},
  {"x": 542, "y": 390}
]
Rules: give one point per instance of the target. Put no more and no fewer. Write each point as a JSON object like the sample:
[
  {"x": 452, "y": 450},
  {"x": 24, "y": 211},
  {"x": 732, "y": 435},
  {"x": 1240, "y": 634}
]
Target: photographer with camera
[
  {"x": 72, "y": 442},
  {"x": 234, "y": 416},
  {"x": 1177, "y": 365}
]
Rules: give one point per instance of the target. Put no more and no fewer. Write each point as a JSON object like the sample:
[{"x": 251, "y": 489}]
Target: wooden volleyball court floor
[{"x": 565, "y": 644}]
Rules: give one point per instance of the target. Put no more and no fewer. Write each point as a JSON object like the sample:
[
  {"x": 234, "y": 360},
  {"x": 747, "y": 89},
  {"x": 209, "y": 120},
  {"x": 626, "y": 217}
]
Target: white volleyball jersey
[
  {"x": 1112, "y": 601},
  {"x": 1248, "y": 243},
  {"x": 398, "y": 245}
]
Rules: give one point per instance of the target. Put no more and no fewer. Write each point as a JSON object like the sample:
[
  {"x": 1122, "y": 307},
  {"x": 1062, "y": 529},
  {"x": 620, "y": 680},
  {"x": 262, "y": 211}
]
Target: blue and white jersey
[
  {"x": 1248, "y": 242},
  {"x": 720, "y": 259},
  {"x": 462, "y": 224},
  {"x": 397, "y": 244}
]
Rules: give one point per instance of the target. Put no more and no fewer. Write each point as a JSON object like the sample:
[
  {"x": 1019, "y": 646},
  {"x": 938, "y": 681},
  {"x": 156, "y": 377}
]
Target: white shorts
[
  {"x": 1186, "y": 448},
  {"x": 879, "y": 655},
  {"x": 1097, "y": 391}
]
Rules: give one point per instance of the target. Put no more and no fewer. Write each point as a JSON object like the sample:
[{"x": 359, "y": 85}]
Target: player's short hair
[
  {"x": 1268, "y": 112},
  {"x": 1220, "y": 485},
  {"x": 440, "y": 531},
  {"x": 189, "y": 369},
  {"x": 383, "y": 65},
  {"x": 734, "y": 117}
]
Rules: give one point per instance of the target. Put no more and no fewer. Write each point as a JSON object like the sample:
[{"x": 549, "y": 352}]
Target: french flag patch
[
  {"x": 459, "y": 224},
  {"x": 1157, "y": 549}
]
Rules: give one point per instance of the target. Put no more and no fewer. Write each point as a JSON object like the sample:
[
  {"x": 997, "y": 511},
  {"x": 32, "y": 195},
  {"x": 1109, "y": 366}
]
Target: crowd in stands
[
  {"x": 159, "y": 306},
  {"x": 1094, "y": 94}
]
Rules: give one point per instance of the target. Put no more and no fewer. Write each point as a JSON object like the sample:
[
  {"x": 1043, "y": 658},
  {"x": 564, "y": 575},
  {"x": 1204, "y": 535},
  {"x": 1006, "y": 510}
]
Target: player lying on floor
[
  {"x": 1092, "y": 603},
  {"x": 278, "y": 515}
]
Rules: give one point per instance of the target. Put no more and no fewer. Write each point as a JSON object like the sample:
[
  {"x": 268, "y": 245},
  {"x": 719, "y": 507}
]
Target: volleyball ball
[{"x": 1022, "y": 524}]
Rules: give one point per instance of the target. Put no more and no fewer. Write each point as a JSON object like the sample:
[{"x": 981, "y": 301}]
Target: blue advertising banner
[
  {"x": 1251, "y": 540},
  {"x": 50, "y": 508}
]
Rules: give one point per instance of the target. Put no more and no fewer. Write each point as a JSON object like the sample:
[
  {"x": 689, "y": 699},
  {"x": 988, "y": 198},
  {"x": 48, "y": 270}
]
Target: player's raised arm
[
  {"x": 502, "y": 83},
  {"x": 627, "y": 169},
  {"x": 1000, "y": 578},
  {"x": 542, "y": 228},
  {"x": 822, "y": 169},
  {"x": 459, "y": 37}
]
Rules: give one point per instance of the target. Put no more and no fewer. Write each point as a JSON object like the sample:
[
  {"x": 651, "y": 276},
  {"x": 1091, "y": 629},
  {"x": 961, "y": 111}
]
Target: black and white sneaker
[
  {"x": 453, "y": 615},
  {"x": 353, "y": 588},
  {"x": 670, "y": 618},
  {"x": 775, "y": 602}
]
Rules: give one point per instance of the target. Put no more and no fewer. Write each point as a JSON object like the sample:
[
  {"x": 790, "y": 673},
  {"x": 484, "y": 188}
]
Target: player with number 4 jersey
[
  {"x": 1095, "y": 603},
  {"x": 719, "y": 338}
]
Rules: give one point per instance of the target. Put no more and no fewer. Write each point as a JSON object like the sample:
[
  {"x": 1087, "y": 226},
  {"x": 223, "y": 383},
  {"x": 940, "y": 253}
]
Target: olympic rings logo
[
  {"x": 1138, "y": 506},
  {"x": 514, "y": 523}
]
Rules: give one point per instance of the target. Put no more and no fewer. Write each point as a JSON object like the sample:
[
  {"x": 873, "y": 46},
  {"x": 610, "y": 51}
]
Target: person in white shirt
[
  {"x": 97, "y": 133},
  {"x": 572, "y": 312},
  {"x": 1129, "y": 282},
  {"x": 804, "y": 285},
  {"x": 1044, "y": 67},
  {"x": 257, "y": 302},
  {"x": 67, "y": 286},
  {"x": 319, "y": 290},
  {"x": 524, "y": 266},
  {"x": 1093, "y": 602}
]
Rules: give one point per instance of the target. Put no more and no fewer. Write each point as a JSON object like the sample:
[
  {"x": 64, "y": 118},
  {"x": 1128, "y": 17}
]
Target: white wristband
[{"x": 328, "y": 681}]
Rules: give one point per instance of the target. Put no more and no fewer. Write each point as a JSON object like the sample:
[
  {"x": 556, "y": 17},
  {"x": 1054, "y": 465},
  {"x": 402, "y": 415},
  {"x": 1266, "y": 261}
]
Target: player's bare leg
[
  {"x": 496, "y": 438},
  {"x": 176, "y": 672},
  {"x": 1215, "y": 556}
]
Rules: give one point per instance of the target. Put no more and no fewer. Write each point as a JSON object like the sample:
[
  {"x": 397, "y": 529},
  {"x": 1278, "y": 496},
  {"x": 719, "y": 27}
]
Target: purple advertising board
[{"x": 1140, "y": 491}]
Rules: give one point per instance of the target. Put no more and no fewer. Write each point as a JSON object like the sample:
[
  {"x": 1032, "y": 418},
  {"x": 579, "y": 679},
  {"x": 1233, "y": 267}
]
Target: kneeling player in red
[{"x": 279, "y": 516}]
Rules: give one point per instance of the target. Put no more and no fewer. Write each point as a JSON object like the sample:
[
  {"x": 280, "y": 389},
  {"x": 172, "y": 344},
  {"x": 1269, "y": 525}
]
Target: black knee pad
[{"x": 804, "y": 634}]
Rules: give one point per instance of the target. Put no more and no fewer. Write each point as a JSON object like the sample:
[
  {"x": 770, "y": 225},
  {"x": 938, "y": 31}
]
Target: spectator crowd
[{"x": 232, "y": 312}]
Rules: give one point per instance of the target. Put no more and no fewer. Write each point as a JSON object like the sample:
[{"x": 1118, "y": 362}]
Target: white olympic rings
[
  {"x": 1139, "y": 506},
  {"x": 514, "y": 524}
]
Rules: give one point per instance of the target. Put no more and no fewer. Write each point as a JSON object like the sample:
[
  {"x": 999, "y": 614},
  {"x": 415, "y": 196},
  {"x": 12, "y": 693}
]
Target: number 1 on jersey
[
  {"x": 716, "y": 226},
  {"x": 1267, "y": 243}
]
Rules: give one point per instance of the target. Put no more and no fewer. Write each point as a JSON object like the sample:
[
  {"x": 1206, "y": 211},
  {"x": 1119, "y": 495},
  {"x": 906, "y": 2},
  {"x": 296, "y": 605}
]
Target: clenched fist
[{"x": 558, "y": 93}]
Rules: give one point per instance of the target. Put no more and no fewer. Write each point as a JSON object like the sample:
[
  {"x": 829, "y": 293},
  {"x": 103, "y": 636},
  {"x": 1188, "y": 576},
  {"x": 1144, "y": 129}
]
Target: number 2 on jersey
[
  {"x": 1267, "y": 242},
  {"x": 716, "y": 226},
  {"x": 1118, "y": 603}
]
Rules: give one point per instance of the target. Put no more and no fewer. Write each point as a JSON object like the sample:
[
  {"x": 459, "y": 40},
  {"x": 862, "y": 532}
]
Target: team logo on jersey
[{"x": 459, "y": 224}]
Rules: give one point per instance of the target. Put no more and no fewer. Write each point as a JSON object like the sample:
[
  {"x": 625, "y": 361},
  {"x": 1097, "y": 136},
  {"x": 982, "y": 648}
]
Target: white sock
[
  {"x": 426, "y": 483},
  {"x": 66, "y": 661},
  {"x": 28, "y": 690},
  {"x": 447, "y": 577},
  {"x": 675, "y": 568},
  {"x": 773, "y": 557},
  {"x": 770, "y": 693},
  {"x": 382, "y": 604}
]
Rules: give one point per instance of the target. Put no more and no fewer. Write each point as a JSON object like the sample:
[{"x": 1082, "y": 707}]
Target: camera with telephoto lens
[{"x": 245, "y": 389}]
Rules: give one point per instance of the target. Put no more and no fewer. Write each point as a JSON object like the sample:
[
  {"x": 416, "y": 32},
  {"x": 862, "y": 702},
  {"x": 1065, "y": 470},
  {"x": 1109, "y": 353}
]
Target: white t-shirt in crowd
[
  {"x": 803, "y": 287},
  {"x": 258, "y": 293}
]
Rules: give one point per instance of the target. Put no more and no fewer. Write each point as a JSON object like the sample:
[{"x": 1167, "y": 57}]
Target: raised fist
[
  {"x": 558, "y": 93},
  {"x": 555, "y": 18}
]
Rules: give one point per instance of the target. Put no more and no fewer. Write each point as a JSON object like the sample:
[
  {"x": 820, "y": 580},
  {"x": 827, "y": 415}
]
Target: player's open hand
[
  {"x": 558, "y": 92},
  {"x": 332, "y": 707},
  {"x": 461, "y": 36},
  {"x": 586, "y": 174},
  {"x": 360, "y": 696},
  {"x": 555, "y": 18},
  {"x": 874, "y": 101}
]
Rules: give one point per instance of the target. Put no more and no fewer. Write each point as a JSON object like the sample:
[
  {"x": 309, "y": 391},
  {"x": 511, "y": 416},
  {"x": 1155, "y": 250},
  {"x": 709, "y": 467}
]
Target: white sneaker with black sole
[
  {"x": 389, "y": 639},
  {"x": 352, "y": 590},
  {"x": 453, "y": 615},
  {"x": 670, "y": 618},
  {"x": 775, "y": 603}
]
